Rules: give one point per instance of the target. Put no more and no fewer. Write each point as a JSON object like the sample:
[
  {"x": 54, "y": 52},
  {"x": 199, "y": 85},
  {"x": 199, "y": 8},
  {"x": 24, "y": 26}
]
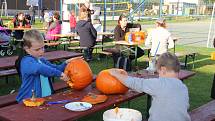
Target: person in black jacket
[
  {"x": 20, "y": 22},
  {"x": 119, "y": 35},
  {"x": 87, "y": 33}
]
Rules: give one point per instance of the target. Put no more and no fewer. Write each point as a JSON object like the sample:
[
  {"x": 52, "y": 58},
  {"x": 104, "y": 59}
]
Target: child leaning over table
[
  {"x": 170, "y": 100},
  {"x": 34, "y": 70}
]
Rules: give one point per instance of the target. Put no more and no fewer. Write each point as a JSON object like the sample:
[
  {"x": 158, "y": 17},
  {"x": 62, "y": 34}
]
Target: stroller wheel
[
  {"x": 9, "y": 52},
  {"x": 2, "y": 52}
]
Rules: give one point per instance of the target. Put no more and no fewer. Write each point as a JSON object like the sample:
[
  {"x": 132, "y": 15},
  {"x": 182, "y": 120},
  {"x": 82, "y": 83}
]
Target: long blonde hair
[{"x": 83, "y": 14}]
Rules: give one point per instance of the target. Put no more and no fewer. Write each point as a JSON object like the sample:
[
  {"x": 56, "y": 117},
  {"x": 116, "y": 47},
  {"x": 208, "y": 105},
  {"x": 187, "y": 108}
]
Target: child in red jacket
[{"x": 72, "y": 21}]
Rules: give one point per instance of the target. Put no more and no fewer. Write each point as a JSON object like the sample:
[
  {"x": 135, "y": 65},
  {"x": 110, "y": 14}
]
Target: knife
[{"x": 61, "y": 101}]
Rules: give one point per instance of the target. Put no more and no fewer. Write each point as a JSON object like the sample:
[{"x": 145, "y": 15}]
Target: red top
[{"x": 72, "y": 21}]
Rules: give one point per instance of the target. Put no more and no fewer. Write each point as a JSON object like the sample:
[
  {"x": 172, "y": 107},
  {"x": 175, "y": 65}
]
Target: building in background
[
  {"x": 182, "y": 7},
  {"x": 15, "y": 6}
]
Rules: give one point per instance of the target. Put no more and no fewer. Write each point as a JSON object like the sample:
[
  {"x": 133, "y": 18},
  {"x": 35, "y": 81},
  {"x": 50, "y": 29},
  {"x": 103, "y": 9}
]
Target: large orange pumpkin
[
  {"x": 79, "y": 73},
  {"x": 138, "y": 37},
  {"x": 108, "y": 84}
]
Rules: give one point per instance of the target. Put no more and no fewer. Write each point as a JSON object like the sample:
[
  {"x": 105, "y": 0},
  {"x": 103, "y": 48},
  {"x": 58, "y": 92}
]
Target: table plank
[
  {"x": 57, "y": 112},
  {"x": 9, "y": 62},
  {"x": 75, "y": 35},
  {"x": 26, "y": 29}
]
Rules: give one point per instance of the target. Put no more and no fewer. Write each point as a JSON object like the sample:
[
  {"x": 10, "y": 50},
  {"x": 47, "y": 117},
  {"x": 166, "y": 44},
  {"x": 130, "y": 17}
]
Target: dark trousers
[
  {"x": 140, "y": 52},
  {"x": 88, "y": 53},
  {"x": 18, "y": 34},
  {"x": 116, "y": 53},
  {"x": 73, "y": 29}
]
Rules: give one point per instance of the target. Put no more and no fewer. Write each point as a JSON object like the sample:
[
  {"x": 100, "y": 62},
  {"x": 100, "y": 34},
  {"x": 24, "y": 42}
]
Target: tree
[{"x": 209, "y": 1}]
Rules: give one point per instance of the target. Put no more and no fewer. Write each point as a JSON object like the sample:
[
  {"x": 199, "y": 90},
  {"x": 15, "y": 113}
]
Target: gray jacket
[{"x": 87, "y": 33}]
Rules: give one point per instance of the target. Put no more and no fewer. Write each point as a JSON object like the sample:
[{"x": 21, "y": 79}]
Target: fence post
[
  {"x": 161, "y": 8},
  {"x": 105, "y": 7}
]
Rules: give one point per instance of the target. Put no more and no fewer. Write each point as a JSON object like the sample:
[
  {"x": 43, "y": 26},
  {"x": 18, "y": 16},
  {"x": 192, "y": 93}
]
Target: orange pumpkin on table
[
  {"x": 79, "y": 73},
  {"x": 138, "y": 37},
  {"x": 108, "y": 84},
  {"x": 33, "y": 101}
]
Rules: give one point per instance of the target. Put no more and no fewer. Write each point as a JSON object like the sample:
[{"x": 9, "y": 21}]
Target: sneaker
[{"x": 89, "y": 59}]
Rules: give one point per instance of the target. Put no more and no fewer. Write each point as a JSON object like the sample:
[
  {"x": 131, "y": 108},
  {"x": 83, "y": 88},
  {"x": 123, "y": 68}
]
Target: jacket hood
[{"x": 81, "y": 23}]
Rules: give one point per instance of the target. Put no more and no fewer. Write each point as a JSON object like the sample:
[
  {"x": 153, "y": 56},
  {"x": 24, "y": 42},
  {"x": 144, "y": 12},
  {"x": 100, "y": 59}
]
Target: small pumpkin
[
  {"x": 79, "y": 73},
  {"x": 33, "y": 102},
  {"x": 138, "y": 37},
  {"x": 94, "y": 99},
  {"x": 108, "y": 84}
]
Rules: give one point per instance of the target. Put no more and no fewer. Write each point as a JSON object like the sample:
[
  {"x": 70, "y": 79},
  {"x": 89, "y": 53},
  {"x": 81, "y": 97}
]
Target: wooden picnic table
[
  {"x": 75, "y": 35},
  {"x": 105, "y": 33},
  {"x": 9, "y": 62},
  {"x": 64, "y": 35},
  {"x": 26, "y": 29},
  {"x": 133, "y": 44},
  {"x": 19, "y": 112}
]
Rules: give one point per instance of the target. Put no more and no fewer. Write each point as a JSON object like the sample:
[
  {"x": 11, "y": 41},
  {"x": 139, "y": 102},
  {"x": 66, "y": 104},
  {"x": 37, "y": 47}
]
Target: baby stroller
[{"x": 6, "y": 47}]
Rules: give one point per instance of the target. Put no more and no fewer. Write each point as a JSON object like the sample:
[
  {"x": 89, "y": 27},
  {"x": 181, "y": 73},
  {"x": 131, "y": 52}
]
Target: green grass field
[{"x": 199, "y": 85}]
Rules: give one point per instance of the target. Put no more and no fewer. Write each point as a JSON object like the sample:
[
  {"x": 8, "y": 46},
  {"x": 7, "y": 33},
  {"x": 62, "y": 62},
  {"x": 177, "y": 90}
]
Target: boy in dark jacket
[{"x": 87, "y": 33}]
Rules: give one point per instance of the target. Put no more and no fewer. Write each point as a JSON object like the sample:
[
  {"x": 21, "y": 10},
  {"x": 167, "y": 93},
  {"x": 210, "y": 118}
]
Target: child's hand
[
  {"x": 118, "y": 74},
  {"x": 67, "y": 61},
  {"x": 64, "y": 77}
]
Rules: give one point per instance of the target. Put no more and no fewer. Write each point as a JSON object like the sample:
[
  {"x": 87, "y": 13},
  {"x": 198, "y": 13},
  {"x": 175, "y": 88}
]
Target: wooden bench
[
  {"x": 102, "y": 46},
  {"x": 10, "y": 99},
  {"x": 205, "y": 112},
  {"x": 68, "y": 42},
  {"x": 51, "y": 43},
  {"x": 106, "y": 56},
  {"x": 6, "y": 73},
  {"x": 76, "y": 48},
  {"x": 187, "y": 55}
]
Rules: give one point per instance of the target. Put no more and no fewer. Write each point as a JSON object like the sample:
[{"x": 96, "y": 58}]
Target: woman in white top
[{"x": 159, "y": 38}]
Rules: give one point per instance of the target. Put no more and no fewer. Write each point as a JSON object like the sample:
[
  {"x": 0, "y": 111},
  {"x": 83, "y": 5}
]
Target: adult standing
[
  {"x": 159, "y": 38},
  {"x": 32, "y": 14},
  {"x": 42, "y": 15}
]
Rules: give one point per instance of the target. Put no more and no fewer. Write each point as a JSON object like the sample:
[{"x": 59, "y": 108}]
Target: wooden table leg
[{"x": 148, "y": 105}]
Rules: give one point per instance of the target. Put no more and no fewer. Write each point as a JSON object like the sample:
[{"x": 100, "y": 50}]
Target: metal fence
[{"x": 145, "y": 8}]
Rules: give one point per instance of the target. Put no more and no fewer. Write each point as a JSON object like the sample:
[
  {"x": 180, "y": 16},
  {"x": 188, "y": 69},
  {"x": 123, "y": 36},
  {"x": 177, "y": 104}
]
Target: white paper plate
[{"x": 78, "y": 106}]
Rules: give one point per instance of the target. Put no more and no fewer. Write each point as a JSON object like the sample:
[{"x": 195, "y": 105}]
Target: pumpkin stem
[{"x": 33, "y": 95}]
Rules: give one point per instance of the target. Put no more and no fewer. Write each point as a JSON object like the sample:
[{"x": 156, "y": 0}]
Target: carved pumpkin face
[
  {"x": 138, "y": 37},
  {"x": 108, "y": 84},
  {"x": 79, "y": 73}
]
